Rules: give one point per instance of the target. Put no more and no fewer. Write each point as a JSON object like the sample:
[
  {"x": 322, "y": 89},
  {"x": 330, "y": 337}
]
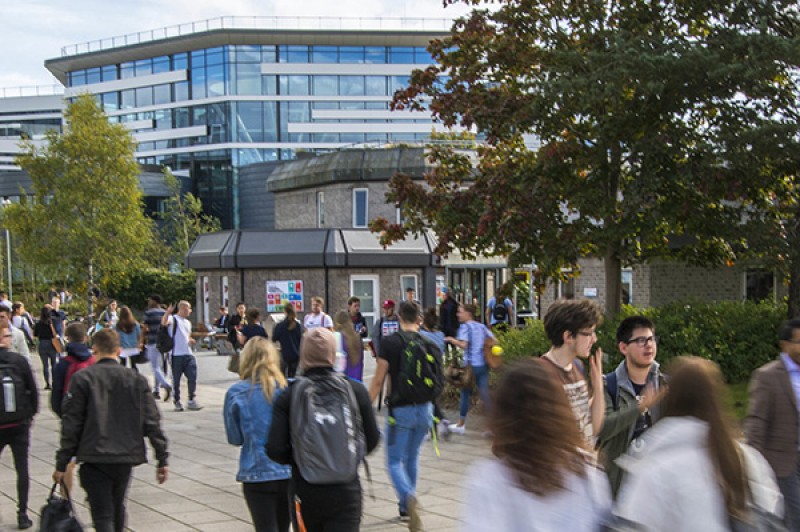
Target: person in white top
[
  {"x": 689, "y": 472},
  {"x": 317, "y": 318},
  {"x": 18, "y": 343},
  {"x": 542, "y": 477},
  {"x": 183, "y": 361}
]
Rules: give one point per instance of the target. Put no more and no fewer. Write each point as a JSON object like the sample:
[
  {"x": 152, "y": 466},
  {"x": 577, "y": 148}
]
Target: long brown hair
[
  {"x": 696, "y": 389},
  {"x": 291, "y": 316},
  {"x": 344, "y": 324},
  {"x": 535, "y": 434},
  {"x": 126, "y": 321},
  {"x": 260, "y": 363}
]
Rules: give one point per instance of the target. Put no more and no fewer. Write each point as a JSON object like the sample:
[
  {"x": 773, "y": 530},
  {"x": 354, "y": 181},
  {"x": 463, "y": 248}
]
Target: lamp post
[{"x": 6, "y": 203}]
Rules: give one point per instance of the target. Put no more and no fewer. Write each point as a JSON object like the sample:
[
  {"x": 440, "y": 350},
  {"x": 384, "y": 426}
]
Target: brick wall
[{"x": 297, "y": 209}]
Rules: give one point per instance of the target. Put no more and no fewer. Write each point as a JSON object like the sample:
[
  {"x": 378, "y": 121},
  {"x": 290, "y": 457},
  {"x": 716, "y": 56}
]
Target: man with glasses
[
  {"x": 771, "y": 425},
  {"x": 570, "y": 325},
  {"x": 633, "y": 392}
]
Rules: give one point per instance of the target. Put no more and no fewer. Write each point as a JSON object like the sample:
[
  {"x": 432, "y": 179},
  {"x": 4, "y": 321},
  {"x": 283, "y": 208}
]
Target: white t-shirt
[
  {"x": 182, "y": 335},
  {"x": 312, "y": 321}
]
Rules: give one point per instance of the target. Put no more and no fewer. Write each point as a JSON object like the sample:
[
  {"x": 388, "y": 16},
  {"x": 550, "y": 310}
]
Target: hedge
[{"x": 172, "y": 287}]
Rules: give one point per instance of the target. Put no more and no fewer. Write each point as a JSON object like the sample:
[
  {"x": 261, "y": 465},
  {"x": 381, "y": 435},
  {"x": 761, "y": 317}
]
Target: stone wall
[{"x": 297, "y": 209}]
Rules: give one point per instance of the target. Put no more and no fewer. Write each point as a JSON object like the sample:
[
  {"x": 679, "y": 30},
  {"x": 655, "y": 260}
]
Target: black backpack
[
  {"x": 421, "y": 376},
  {"x": 165, "y": 342},
  {"x": 499, "y": 312},
  {"x": 16, "y": 404}
]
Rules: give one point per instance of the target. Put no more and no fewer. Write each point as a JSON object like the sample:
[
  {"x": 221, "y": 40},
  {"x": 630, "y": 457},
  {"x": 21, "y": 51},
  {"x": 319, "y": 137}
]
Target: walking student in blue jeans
[
  {"x": 407, "y": 423},
  {"x": 471, "y": 337},
  {"x": 183, "y": 361}
]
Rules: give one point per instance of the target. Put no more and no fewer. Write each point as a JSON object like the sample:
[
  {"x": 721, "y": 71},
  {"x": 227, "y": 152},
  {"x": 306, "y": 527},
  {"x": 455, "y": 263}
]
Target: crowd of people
[{"x": 639, "y": 448}]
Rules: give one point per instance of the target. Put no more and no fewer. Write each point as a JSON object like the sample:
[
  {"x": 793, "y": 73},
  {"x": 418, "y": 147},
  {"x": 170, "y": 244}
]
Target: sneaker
[
  {"x": 168, "y": 394},
  {"x": 444, "y": 430},
  {"x": 194, "y": 405},
  {"x": 404, "y": 518},
  {"x": 414, "y": 520},
  {"x": 455, "y": 429},
  {"x": 178, "y": 406},
  {"x": 156, "y": 394},
  {"x": 23, "y": 521}
]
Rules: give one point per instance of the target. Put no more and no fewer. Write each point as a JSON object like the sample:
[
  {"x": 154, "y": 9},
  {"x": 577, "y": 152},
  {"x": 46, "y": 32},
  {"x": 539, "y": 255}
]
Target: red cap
[{"x": 388, "y": 303}]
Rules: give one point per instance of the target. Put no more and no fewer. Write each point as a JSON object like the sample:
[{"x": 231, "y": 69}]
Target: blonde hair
[
  {"x": 344, "y": 324},
  {"x": 260, "y": 362}
]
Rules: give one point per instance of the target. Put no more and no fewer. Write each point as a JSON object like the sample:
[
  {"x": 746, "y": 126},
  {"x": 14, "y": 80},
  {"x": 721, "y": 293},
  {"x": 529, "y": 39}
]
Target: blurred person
[
  {"x": 288, "y": 333},
  {"x": 57, "y": 316},
  {"x": 151, "y": 323},
  {"x": 411, "y": 295},
  {"x": 235, "y": 323},
  {"x": 353, "y": 346},
  {"x": 772, "y": 424},
  {"x": 359, "y": 323},
  {"x": 690, "y": 473},
  {"x": 110, "y": 315},
  {"x": 317, "y": 317},
  {"x": 221, "y": 323},
  {"x": 633, "y": 393},
  {"x": 448, "y": 313},
  {"x": 253, "y": 328},
  {"x": 500, "y": 311},
  {"x": 18, "y": 342},
  {"x": 471, "y": 337},
  {"x": 542, "y": 476},
  {"x": 107, "y": 415},
  {"x": 570, "y": 325},
  {"x": 183, "y": 359},
  {"x": 248, "y": 415},
  {"x": 22, "y": 320},
  {"x": 130, "y": 334},
  {"x": 329, "y": 506},
  {"x": 428, "y": 331},
  {"x": 387, "y": 325},
  {"x": 45, "y": 332}
]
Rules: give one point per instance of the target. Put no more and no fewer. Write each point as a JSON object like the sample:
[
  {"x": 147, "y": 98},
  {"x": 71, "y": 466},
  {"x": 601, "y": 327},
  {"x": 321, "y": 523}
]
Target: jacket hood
[
  {"x": 672, "y": 433},
  {"x": 79, "y": 350}
]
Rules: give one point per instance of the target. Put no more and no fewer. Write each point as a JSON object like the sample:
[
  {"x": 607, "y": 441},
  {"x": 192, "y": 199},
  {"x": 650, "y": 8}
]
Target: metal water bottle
[{"x": 9, "y": 394}]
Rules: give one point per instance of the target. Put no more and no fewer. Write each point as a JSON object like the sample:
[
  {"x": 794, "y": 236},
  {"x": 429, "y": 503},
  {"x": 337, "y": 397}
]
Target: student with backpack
[
  {"x": 500, "y": 312},
  {"x": 414, "y": 366},
  {"x": 20, "y": 402},
  {"x": 324, "y": 426}
]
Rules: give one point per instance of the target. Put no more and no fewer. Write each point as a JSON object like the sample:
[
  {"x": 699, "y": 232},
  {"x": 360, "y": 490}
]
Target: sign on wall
[
  {"x": 224, "y": 291},
  {"x": 206, "y": 297},
  {"x": 281, "y": 292}
]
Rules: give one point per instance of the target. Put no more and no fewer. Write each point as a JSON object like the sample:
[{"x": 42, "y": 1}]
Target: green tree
[
  {"x": 183, "y": 220},
  {"x": 647, "y": 114},
  {"x": 86, "y": 213}
]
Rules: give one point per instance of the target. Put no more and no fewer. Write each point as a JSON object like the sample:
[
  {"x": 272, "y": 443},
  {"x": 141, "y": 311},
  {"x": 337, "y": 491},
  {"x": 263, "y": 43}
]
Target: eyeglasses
[{"x": 642, "y": 341}]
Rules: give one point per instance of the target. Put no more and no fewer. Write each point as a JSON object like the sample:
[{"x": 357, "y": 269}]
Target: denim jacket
[{"x": 248, "y": 416}]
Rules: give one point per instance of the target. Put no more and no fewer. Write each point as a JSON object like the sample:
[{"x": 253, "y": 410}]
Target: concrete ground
[{"x": 202, "y": 492}]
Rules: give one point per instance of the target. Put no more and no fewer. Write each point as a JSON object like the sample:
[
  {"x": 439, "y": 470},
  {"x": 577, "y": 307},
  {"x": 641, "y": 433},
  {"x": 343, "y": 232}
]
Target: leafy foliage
[
  {"x": 170, "y": 286},
  {"x": 653, "y": 118}
]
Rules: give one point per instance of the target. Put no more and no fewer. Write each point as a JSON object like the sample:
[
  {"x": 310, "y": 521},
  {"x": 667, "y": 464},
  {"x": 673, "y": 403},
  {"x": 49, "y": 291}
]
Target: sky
[{"x": 35, "y": 30}]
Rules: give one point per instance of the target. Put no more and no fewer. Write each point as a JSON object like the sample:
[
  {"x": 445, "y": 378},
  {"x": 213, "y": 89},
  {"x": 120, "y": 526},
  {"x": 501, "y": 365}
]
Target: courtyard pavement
[{"x": 202, "y": 492}]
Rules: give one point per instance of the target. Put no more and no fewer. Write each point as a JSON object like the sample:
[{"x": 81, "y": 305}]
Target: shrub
[{"x": 172, "y": 287}]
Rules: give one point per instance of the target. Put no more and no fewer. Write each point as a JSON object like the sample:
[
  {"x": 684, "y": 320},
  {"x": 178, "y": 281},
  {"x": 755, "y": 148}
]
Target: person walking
[
  {"x": 333, "y": 503},
  {"x": 317, "y": 317},
  {"x": 448, "y": 314},
  {"x": 500, "y": 312},
  {"x": 130, "y": 335},
  {"x": 108, "y": 445},
  {"x": 542, "y": 477},
  {"x": 691, "y": 473},
  {"x": 471, "y": 337},
  {"x": 352, "y": 344},
  {"x": 45, "y": 332},
  {"x": 151, "y": 323},
  {"x": 288, "y": 333},
  {"x": 21, "y": 319},
  {"x": 16, "y": 419},
  {"x": 183, "y": 360},
  {"x": 248, "y": 416}
]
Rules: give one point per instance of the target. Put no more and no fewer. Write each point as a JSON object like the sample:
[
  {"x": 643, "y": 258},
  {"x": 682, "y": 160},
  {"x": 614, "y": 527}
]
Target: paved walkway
[{"x": 202, "y": 493}]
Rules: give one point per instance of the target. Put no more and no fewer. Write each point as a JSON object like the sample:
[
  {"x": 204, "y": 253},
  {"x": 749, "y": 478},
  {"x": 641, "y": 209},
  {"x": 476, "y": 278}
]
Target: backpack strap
[
  {"x": 174, "y": 330},
  {"x": 612, "y": 387}
]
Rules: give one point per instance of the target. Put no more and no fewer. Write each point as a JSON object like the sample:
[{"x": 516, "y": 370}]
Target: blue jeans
[
  {"x": 183, "y": 365},
  {"x": 403, "y": 441},
  {"x": 790, "y": 488},
  {"x": 482, "y": 382},
  {"x": 155, "y": 359}
]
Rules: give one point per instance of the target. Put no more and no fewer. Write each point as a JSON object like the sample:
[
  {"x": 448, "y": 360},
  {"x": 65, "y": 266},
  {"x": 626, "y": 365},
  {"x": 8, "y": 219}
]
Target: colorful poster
[
  {"x": 440, "y": 284},
  {"x": 281, "y": 292}
]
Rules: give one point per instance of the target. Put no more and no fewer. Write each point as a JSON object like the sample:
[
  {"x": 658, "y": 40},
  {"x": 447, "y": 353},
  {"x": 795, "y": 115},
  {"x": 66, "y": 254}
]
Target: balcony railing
[{"x": 31, "y": 90}]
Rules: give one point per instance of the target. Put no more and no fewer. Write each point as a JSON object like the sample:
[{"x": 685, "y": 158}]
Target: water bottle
[{"x": 9, "y": 394}]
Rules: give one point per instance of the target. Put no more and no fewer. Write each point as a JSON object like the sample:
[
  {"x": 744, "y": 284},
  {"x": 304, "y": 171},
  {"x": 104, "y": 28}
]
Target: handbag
[
  {"x": 492, "y": 360},
  {"x": 141, "y": 357},
  {"x": 58, "y": 345},
  {"x": 57, "y": 514},
  {"x": 233, "y": 363},
  {"x": 462, "y": 377}
]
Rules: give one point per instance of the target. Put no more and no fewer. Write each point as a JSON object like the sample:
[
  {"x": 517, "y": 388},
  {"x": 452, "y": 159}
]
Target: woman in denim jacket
[{"x": 248, "y": 416}]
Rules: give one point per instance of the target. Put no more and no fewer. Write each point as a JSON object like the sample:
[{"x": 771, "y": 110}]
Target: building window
[
  {"x": 360, "y": 197},
  {"x": 320, "y": 209},
  {"x": 565, "y": 289},
  {"x": 759, "y": 285},
  {"x": 406, "y": 282},
  {"x": 627, "y": 286}
]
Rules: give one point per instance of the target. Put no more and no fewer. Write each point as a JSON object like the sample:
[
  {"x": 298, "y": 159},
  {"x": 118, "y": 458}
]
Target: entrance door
[{"x": 365, "y": 287}]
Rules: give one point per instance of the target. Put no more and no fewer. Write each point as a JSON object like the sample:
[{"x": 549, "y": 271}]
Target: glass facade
[{"x": 221, "y": 111}]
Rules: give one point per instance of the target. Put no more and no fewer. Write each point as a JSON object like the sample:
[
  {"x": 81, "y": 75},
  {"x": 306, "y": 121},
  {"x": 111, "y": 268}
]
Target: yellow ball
[{"x": 497, "y": 350}]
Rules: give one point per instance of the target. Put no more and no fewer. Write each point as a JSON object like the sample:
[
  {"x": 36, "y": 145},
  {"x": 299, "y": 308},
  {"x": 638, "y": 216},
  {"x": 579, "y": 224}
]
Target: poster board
[{"x": 281, "y": 292}]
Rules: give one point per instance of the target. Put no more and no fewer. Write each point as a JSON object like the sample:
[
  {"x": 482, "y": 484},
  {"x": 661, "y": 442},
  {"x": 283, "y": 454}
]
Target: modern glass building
[{"x": 209, "y": 98}]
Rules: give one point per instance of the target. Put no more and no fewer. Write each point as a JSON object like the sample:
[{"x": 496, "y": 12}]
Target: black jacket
[
  {"x": 15, "y": 359},
  {"x": 108, "y": 412}
]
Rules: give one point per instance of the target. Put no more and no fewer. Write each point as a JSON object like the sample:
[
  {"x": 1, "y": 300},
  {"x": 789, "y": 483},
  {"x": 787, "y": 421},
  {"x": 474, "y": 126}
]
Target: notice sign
[{"x": 281, "y": 292}]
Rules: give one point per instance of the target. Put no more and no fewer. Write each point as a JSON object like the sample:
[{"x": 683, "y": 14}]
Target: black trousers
[
  {"x": 334, "y": 508},
  {"x": 268, "y": 503},
  {"x": 18, "y": 438},
  {"x": 106, "y": 486}
]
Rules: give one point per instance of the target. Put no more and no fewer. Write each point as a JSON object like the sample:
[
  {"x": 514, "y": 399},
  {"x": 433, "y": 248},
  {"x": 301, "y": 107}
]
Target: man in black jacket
[
  {"x": 106, "y": 445},
  {"x": 16, "y": 432}
]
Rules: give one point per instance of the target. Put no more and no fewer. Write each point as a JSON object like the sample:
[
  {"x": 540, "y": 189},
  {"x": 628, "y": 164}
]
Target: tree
[
  {"x": 183, "y": 220},
  {"x": 86, "y": 213},
  {"x": 647, "y": 113}
]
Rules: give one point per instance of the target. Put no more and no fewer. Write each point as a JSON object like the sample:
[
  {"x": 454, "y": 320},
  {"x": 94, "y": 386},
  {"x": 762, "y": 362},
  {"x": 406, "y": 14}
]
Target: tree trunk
[
  {"x": 90, "y": 285},
  {"x": 613, "y": 268}
]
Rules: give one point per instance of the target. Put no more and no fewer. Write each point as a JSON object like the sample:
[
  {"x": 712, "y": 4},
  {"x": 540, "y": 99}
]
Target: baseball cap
[{"x": 388, "y": 303}]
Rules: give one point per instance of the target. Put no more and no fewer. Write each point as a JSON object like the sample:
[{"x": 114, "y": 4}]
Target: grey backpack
[{"x": 328, "y": 440}]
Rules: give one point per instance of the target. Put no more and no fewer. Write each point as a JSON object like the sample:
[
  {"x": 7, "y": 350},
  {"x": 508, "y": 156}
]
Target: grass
[{"x": 737, "y": 399}]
